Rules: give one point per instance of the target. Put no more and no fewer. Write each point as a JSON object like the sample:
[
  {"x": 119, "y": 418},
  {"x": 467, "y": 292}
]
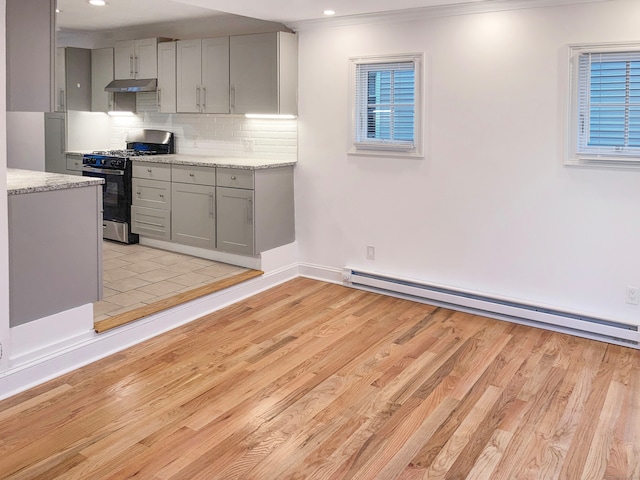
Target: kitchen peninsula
[
  {"x": 55, "y": 243},
  {"x": 240, "y": 206}
]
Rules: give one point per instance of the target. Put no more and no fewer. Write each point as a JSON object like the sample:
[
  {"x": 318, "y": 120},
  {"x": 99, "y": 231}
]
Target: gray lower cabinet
[
  {"x": 151, "y": 202},
  {"x": 55, "y": 143},
  {"x": 151, "y": 222},
  {"x": 236, "y": 210},
  {"x": 236, "y": 232},
  {"x": 194, "y": 219},
  {"x": 255, "y": 209},
  {"x": 55, "y": 260},
  {"x": 74, "y": 164}
]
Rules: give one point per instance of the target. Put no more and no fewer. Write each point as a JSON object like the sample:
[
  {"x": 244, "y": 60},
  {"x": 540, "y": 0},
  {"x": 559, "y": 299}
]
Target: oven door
[{"x": 116, "y": 198}]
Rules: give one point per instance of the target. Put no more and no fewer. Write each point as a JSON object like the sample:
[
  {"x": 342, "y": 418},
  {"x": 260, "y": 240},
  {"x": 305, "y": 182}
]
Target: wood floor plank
[{"x": 311, "y": 380}]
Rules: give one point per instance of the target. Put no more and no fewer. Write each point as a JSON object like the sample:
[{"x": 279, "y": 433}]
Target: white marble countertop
[
  {"x": 212, "y": 161},
  {"x": 31, "y": 181}
]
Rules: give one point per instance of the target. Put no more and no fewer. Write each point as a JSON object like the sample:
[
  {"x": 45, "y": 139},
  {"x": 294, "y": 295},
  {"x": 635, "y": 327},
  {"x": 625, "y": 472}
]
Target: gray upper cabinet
[
  {"x": 264, "y": 73},
  {"x": 136, "y": 59},
  {"x": 73, "y": 79},
  {"x": 101, "y": 76},
  {"x": 203, "y": 75},
  {"x": 167, "y": 77}
]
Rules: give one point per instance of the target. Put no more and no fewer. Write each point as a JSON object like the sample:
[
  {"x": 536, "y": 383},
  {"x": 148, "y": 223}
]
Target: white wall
[
  {"x": 4, "y": 236},
  {"x": 491, "y": 208}
]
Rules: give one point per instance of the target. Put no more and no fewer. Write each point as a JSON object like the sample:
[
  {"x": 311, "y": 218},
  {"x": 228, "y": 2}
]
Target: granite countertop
[
  {"x": 31, "y": 181},
  {"x": 212, "y": 161}
]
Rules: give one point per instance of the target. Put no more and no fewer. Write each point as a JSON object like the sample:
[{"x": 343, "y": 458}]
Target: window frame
[
  {"x": 378, "y": 148},
  {"x": 607, "y": 156}
]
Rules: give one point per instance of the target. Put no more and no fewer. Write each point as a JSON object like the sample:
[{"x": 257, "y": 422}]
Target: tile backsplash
[{"x": 212, "y": 134}]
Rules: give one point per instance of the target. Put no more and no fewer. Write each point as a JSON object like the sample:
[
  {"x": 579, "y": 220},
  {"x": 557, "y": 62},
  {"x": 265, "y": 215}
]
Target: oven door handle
[{"x": 104, "y": 171}]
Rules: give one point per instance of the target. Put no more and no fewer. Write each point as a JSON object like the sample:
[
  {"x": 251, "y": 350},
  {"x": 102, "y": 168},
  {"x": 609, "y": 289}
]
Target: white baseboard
[
  {"x": 46, "y": 336},
  {"x": 320, "y": 272},
  {"x": 44, "y": 365}
]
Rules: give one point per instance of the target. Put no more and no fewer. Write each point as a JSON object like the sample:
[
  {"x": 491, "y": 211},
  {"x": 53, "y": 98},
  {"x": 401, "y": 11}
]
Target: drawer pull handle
[
  {"x": 233, "y": 177},
  {"x": 140, "y": 222},
  {"x": 191, "y": 175},
  {"x": 148, "y": 170},
  {"x": 161, "y": 195}
]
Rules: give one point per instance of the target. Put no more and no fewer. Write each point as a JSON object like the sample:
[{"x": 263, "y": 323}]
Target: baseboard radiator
[{"x": 504, "y": 309}]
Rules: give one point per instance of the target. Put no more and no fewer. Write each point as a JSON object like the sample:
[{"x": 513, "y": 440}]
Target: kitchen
[{"x": 233, "y": 146}]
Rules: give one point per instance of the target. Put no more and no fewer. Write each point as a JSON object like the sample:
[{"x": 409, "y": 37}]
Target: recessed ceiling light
[
  {"x": 329, "y": 12},
  {"x": 99, "y": 3}
]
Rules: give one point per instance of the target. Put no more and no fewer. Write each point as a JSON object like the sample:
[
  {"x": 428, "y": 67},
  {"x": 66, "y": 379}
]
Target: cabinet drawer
[
  {"x": 234, "y": 178},
  {"x": 151, "y": 193},
  {"x": 151, "y": 222},
  {"x": 74, "y": 162},
  {"x": 194, "y": 175},
  {"x": 154, "y": 171}
]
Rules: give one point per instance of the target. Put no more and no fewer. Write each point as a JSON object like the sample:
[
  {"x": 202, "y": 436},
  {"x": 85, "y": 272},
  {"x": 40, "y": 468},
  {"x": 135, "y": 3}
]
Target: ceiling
[{"x": 79, "y": 15}]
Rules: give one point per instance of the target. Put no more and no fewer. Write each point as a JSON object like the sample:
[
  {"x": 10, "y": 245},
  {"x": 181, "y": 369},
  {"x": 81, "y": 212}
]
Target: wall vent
[{"x": 501, "y": 308}]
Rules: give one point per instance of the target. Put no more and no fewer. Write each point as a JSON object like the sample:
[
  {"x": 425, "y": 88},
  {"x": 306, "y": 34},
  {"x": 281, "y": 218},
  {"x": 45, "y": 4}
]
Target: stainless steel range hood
[{"x": 142, "y": 85}]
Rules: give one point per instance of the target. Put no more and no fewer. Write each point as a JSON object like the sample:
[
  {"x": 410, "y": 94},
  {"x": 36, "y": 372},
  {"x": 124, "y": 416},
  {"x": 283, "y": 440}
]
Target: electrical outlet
[
  {"x": 247, "y": 144},
  {"x": 633, "y": 295},
  {"x": 371, "y": 252}
]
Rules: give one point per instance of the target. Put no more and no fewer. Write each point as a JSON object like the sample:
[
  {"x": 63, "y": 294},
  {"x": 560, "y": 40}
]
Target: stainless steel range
[{"x": 115, "y": 167}]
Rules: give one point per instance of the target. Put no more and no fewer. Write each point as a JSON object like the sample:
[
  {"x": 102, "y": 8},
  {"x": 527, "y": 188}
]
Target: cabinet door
[
  {"x": 60, "y": 82},
  {"x": 167, "y": 77},
  {"x": 146, "y": 58},
  {"x": 123, "y": 54},
  {"x": 235, "y": 232},
  {"x": 193, "y": 212},
  {"x": 78, "y": 79},
  {"x": 55, "y": 159},
  {"x": 215, "y": 75},
  {"x": 254, "y": 73},
  {"x": 101, "y": 76},
  {"x": 189, "y": 74}
]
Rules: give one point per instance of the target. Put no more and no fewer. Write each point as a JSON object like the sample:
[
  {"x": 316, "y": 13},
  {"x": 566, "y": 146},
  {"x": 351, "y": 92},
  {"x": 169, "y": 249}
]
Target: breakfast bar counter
[{"x": 55, "y": 243}]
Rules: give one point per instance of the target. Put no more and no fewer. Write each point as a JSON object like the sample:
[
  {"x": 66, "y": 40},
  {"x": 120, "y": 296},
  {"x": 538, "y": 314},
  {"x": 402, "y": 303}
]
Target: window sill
[
  {"x": 632, "y": 163},
  {"x": 379, "y": 152}
]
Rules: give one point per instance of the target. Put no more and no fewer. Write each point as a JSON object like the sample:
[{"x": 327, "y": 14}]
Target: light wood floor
[{"x": 317, "y": 381}]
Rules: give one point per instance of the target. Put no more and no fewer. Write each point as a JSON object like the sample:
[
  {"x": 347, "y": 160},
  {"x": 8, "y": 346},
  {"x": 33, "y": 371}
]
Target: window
[
  {"x": 386, "y": 105},
  {"x": 605, "y": 123}
]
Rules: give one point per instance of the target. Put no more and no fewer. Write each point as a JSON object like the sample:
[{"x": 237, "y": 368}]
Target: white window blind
[
  {"x": 385, "y": 105},
  {"x": 608, "y": 104}
]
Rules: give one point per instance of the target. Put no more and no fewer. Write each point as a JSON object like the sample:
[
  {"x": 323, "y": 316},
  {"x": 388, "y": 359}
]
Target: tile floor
[{"x": 136, "y": 275}]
